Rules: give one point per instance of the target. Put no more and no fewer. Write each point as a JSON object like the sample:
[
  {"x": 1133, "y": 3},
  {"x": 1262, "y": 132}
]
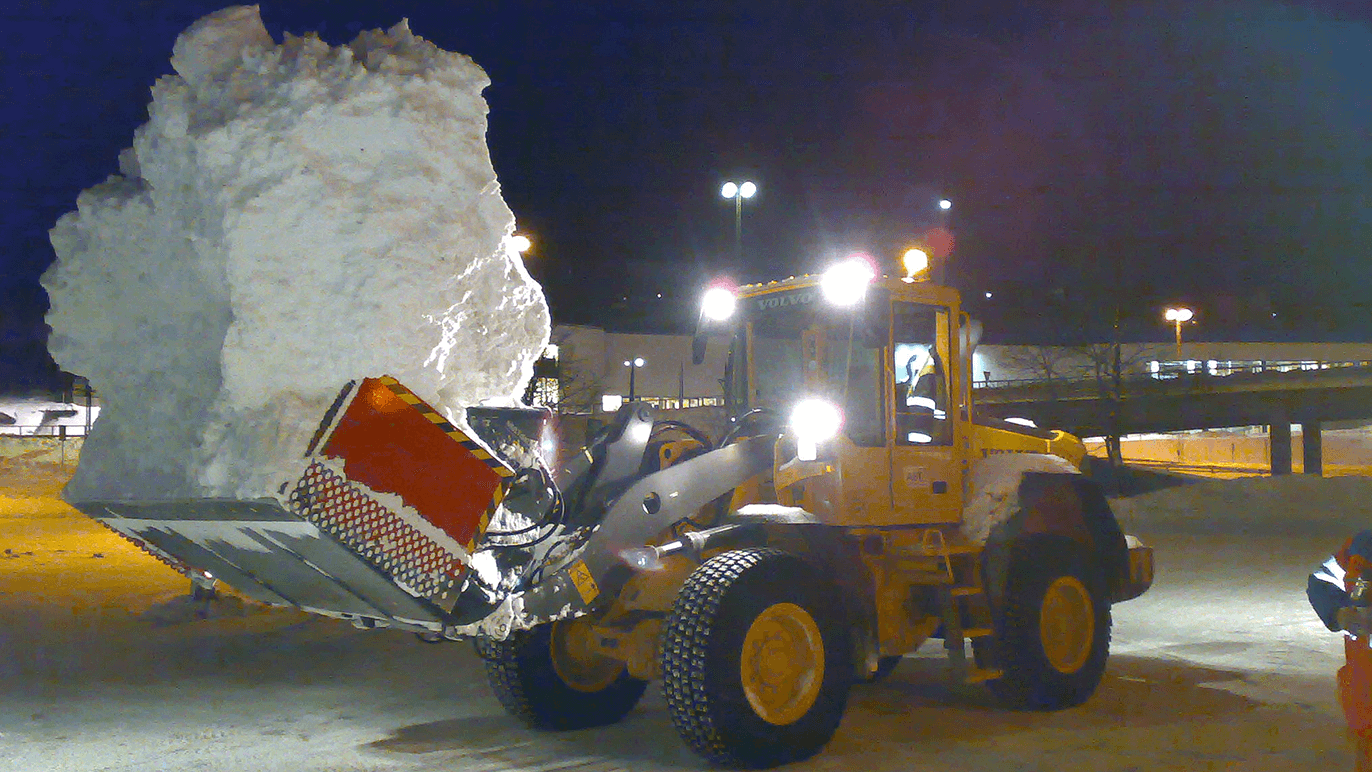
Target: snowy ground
[{"x": 104, "y": 666}]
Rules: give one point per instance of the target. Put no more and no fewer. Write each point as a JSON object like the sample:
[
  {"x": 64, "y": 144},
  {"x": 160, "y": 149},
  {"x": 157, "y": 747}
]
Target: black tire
[
  {"x": 703, "y": 651},
  {"x": 1031, "y": 680},
  {"x": 525, "y": 680}
]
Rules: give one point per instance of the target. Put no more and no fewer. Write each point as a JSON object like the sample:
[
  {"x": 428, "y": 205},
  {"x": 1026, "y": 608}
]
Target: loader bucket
[
  {"x": 269, "y": 554},
  {"x": 381, "y": 524}
]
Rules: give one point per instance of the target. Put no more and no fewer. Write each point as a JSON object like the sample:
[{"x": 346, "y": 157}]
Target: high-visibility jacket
[
  {"x": 1329, "y": 590},
  {"x": 1330, "y": 585}
]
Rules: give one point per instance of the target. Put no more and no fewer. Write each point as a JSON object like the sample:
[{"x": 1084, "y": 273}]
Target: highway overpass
[{"x": 1148, "y": 404}]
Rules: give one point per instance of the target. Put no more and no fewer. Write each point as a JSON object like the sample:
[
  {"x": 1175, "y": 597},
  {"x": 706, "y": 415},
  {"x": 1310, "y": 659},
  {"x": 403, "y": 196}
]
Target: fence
[{"x": 30, "y": 417}]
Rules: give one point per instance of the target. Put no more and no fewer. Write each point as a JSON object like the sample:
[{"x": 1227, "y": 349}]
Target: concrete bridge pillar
[
  {"x": 1279, "y": 437},
  {"x": 1312, "y": 448}
]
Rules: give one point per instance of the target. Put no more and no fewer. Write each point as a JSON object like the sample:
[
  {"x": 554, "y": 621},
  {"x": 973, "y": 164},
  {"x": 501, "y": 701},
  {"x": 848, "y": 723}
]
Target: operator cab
[{"x": 865, "y": 371}]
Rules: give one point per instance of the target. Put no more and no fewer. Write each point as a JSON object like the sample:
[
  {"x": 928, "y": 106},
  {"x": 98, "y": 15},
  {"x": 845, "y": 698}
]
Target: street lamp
[
  {"x": 632, "y": 365},
  {"x": 1176, "y": 316},
  {"x": 945, "y": 204},
  {"x": 738, "y": 191}
]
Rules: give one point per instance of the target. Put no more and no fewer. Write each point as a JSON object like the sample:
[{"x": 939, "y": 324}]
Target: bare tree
[
  {"x": 1050, "y": 363},
  {"x": 579, "y": 383},
  {"x": 1107, "y": 364},
  {"x": 1101, "y": 361}
]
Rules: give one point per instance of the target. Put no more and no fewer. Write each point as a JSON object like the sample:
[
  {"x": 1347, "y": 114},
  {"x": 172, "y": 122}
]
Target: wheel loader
[{"x": 856, "y": 508}]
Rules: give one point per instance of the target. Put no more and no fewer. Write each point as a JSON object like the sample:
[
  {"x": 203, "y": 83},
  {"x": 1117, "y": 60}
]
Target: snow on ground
[
  {"x": 104, "y": 665},
  {"x": 292, "y": 216}
]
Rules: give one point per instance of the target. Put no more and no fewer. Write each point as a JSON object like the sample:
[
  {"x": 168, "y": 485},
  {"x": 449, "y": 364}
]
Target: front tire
[
  {"x": 756, "y": 660},
  {"x": 1053, "y": 634},
  {"x": 548, "y": 678}
]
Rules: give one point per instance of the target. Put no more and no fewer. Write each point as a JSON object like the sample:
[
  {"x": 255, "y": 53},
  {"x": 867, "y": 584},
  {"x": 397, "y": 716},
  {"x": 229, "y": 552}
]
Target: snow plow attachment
[
  {"x": 379, "y": 528},
  {"x": 267, "y": 553},
  {"x": 388, "y": 525}
]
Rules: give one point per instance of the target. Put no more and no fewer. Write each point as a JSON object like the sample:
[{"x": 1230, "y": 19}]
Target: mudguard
[{"x": 1066, "y": 505}]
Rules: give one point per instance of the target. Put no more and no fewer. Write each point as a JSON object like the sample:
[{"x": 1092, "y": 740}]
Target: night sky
[{"x": 1097, "y": 154}]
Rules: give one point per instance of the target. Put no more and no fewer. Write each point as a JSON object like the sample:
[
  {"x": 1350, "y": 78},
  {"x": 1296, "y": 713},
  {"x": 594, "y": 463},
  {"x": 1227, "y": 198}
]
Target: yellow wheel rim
[
  {"x": 782, "y": 667},
  {"x": 576, "y": 659},
  {"x": 1067, "y": 624}
]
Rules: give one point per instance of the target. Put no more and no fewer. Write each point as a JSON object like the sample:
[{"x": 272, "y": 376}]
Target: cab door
[
  {"x": 926, "y": 469},
  {"x": 849, "y": 357}
]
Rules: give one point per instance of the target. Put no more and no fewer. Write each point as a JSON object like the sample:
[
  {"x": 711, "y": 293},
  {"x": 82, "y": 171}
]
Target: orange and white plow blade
[{"x": 381, "y": 525}]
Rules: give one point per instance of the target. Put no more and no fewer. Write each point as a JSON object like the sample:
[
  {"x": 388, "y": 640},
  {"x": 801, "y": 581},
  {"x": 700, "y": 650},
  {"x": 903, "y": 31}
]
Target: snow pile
[
  {"x": 1290, "y": 505},
  {"x": 291, "y": 217},
  {"x": 994, "y": 489}
]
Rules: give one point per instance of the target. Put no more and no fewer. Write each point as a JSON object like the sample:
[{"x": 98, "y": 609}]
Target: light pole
[
  {"x": 1176, "y": 316},
  {"x": 738, "y": 191},
  {"x": 632, "y": 365}
]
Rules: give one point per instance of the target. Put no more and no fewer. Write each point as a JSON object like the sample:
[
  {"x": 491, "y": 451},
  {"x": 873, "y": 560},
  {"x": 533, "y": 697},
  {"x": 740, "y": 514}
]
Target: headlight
[
  {"x": 845, "y": 283},
  {"x": 813, "y": 421},
  {"x": 718, "y": 304}
]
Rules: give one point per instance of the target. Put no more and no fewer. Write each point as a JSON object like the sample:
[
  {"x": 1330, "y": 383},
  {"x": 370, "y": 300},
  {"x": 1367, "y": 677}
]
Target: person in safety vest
[{"x": 1339, "y": 592}]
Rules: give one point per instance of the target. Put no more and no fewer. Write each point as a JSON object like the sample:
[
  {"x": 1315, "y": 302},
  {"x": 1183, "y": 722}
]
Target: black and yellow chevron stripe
[{"x": 472, "y": 446}]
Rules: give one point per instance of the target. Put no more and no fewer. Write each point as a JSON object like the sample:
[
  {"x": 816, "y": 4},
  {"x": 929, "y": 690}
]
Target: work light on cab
[
  {"x": 718, "y": 304},
  {"x": 845, "y": 283},
  {"x": 814, "y": 421},
  {"x": 915, "y": 261}
]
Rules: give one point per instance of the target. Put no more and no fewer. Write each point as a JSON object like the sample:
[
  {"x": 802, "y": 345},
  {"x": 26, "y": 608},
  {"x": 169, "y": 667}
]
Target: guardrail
[
  {"x": 1178, "y": 371},
  {"x": 47, "y": 431}
]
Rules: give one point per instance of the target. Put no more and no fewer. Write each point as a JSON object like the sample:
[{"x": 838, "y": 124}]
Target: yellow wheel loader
[{"x": 857, "y": 507}]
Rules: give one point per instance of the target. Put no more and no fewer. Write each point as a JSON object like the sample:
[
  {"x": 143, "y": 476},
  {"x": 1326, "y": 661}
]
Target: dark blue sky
[{"x": 1215, "y": 153}]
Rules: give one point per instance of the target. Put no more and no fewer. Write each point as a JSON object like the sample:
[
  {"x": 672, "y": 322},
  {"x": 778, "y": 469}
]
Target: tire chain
[{"x": 699, "y": 600}]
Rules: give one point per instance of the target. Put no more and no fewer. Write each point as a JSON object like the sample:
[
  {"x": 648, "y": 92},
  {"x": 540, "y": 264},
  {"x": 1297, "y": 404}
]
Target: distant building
[{"x": 591, "y": 373}]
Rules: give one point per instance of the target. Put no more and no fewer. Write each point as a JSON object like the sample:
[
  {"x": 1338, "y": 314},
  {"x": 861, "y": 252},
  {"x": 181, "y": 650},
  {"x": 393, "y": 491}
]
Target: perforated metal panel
[{"x": 413, "y": 560}]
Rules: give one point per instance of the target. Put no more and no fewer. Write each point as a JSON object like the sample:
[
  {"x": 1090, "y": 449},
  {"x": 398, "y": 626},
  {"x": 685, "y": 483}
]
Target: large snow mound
[
  {"x": 290, "y": 218},
  {"x": 1289, "y": 505}
]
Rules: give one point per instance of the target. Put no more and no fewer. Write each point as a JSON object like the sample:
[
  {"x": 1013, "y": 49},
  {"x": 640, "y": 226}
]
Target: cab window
[{"x": 921, "y": 380}]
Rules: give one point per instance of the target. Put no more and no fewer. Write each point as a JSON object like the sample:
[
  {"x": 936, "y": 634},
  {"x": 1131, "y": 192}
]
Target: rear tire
[
  {"x": 1053, "y": 634},
  {"x": 756, "y": 661},
  {"x": 527, "y": 679}
]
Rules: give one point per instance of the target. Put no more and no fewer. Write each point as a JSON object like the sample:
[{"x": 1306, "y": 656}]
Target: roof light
[
  {"x": 845, "y": 283},
  {"x": 718, "y": 304},
  {"x": 916, "y": 261}
]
